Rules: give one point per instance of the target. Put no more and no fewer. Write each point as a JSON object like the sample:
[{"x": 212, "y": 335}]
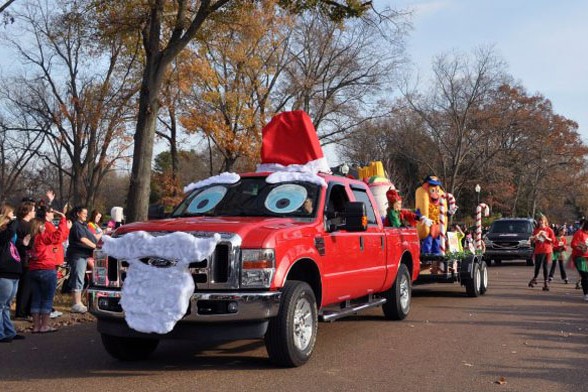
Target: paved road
[{"x": 537, "y": 341}]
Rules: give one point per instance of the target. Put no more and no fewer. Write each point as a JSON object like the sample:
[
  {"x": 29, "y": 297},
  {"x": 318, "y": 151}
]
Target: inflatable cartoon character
[
  {"x": 396, "y": 216},
  {"x": 431, "y": 203},
  {"x": 375, "y": 177},
  {"x": 378, "y": 186}
]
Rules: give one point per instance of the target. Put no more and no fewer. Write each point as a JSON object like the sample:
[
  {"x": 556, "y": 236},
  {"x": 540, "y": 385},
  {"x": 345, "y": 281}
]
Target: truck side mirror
[{"x": 355, "y": 216}]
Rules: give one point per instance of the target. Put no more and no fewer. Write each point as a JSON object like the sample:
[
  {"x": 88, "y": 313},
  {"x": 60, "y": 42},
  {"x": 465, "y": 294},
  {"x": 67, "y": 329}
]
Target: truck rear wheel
[
  {"x": 483, "y": 277},
  {"x": 473, "y": 284},
  {"x": 398, "y": 296},
  {"x": 291, "y": 335},
  {"x": 129, "y": 349}
]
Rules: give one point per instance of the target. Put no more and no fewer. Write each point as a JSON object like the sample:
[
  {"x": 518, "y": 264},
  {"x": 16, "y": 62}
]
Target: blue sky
[{"x": 544, "y": 42}]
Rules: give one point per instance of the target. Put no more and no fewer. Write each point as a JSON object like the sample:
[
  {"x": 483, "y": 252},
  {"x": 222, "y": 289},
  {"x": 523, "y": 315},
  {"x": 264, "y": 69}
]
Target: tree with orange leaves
[{"x": 228, "y": 80}]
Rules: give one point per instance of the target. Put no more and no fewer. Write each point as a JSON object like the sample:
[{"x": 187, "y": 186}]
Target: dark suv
[{"x": 508, "y": 239}]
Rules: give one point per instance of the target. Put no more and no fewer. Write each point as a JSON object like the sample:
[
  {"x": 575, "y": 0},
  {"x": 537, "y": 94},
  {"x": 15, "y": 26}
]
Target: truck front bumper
[
  {"x": 212, "y": 316},
  {"x": 204, "y": 307}
]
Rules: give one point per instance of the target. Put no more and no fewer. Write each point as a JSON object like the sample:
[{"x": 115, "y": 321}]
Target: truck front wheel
[
  {"x": 398, "y": 297},
  {"x": 291, "y": 335},
  {"x": 129, "y": 349}
]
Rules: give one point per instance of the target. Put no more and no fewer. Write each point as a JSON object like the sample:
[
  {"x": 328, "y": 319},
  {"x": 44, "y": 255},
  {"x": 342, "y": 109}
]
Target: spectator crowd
[{"x": 36, "y": 239}]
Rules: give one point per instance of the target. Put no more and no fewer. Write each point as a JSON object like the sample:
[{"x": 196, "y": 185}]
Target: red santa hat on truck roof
[{"x": 290, "y": 140}]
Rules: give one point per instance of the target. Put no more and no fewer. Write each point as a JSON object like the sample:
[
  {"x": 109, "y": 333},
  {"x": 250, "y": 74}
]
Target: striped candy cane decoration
[
  {"x": 442, "y": 225},
  {"x": 452, "y": 207},
  {"x": 479, "y": 209}
]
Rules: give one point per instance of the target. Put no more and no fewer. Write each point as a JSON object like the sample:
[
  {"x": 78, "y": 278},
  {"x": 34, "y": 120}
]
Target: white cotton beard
[{"x": 155, "y": 299}]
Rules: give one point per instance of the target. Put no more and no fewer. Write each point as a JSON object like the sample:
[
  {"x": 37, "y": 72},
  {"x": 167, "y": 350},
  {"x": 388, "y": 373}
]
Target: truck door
[
  {"x": 348, "y": 274},
  {"x": 341, "y": 248},
  {"x": 372, "y": 260}
]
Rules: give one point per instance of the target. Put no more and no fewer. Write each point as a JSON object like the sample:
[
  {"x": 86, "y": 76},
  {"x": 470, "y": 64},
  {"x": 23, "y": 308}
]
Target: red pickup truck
[{"x": 290, "y": 254}]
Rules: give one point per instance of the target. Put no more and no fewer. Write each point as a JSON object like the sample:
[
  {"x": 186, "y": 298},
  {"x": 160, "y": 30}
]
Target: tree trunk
[
  {"x": 228, "y": 164},
  {"x": 210, "y": 157},
  {"x": 138, "y": 198},
  {"x": 173, "y": 141},
  {"x": 155, "y": 66}
]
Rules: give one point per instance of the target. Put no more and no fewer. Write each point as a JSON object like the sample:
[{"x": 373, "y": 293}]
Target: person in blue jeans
[
  {"x": 42, "y": 266},
  {"x": 82, "y": 243},
  {"x": 10, "y": 271}
]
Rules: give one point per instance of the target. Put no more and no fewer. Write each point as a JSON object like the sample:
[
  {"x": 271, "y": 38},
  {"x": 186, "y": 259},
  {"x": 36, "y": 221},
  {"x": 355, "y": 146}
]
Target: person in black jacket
[
  {"x": 24, "y": 213},
  {"x": 10, "y": 271}
]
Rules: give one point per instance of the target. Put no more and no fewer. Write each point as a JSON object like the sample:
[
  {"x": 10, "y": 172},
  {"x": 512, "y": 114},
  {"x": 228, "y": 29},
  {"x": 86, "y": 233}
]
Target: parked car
[{"x": 508, "y": 239}]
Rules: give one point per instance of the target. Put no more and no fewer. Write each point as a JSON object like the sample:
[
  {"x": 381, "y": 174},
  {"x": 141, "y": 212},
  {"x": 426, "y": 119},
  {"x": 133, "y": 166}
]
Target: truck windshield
[
  {"x": 252, "y": 197},
  {"x": 523, "y": 227}
]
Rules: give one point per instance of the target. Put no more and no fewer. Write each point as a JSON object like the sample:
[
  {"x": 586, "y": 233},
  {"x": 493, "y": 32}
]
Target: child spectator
[
  {"x": 543, "y": 238},
  {"x": 559, "y": 249},
  {"x": 94, "y": 222},
  {"x": 43, "y": 267}
]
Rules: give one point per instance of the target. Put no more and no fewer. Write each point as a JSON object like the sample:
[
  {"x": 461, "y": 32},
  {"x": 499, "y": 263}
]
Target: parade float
[{"x": 442, "y": 258}]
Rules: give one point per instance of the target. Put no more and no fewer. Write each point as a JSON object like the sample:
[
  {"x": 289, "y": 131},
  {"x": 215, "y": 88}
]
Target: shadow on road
[{"x": 77, "y": 352}]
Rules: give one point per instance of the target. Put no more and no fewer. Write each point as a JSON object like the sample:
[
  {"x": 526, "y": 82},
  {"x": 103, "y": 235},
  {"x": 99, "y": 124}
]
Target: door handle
[{"x": 361, "y": 242}]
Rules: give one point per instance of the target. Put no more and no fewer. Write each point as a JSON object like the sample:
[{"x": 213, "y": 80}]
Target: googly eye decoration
[
  {"x": 207, "y": 200},
  {"x": 286, "y": 198}
]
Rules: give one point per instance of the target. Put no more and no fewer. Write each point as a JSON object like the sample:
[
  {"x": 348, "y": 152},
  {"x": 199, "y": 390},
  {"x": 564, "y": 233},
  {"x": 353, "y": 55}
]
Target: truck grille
[
  {"x": 506, "y": 245},
  {"x": 219, "y": 271}
]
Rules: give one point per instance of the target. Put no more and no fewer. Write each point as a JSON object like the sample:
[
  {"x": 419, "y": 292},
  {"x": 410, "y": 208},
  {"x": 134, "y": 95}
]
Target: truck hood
[{"x": 256, "y": 232}]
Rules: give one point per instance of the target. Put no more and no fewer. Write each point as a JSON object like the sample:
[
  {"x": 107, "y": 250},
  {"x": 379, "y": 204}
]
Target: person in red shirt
[
  {"x": 559, "y": 249},
  {"x": 580, "y": 255},
  {"x": 58, "y": 250},
  {"x": 543, "y": 238},
  {"x": 42, "y": 266}
]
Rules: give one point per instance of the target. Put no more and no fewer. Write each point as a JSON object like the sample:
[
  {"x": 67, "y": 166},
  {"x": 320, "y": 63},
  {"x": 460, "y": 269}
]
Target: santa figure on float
[{"x": 397, "y": 216}]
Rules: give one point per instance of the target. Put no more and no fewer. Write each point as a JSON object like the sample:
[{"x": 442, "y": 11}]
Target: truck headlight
[
  {"x": 487, "y": 242},
  {"x": 525, "y": 243},
  {"x": 257, "y": 268}
]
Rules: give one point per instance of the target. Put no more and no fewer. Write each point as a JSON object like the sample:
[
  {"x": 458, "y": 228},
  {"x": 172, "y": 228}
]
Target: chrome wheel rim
[
  {"x": 404, "y": 293},
  {"x": 303, "y": 324},
  {"x": 485, "y": 278}
]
